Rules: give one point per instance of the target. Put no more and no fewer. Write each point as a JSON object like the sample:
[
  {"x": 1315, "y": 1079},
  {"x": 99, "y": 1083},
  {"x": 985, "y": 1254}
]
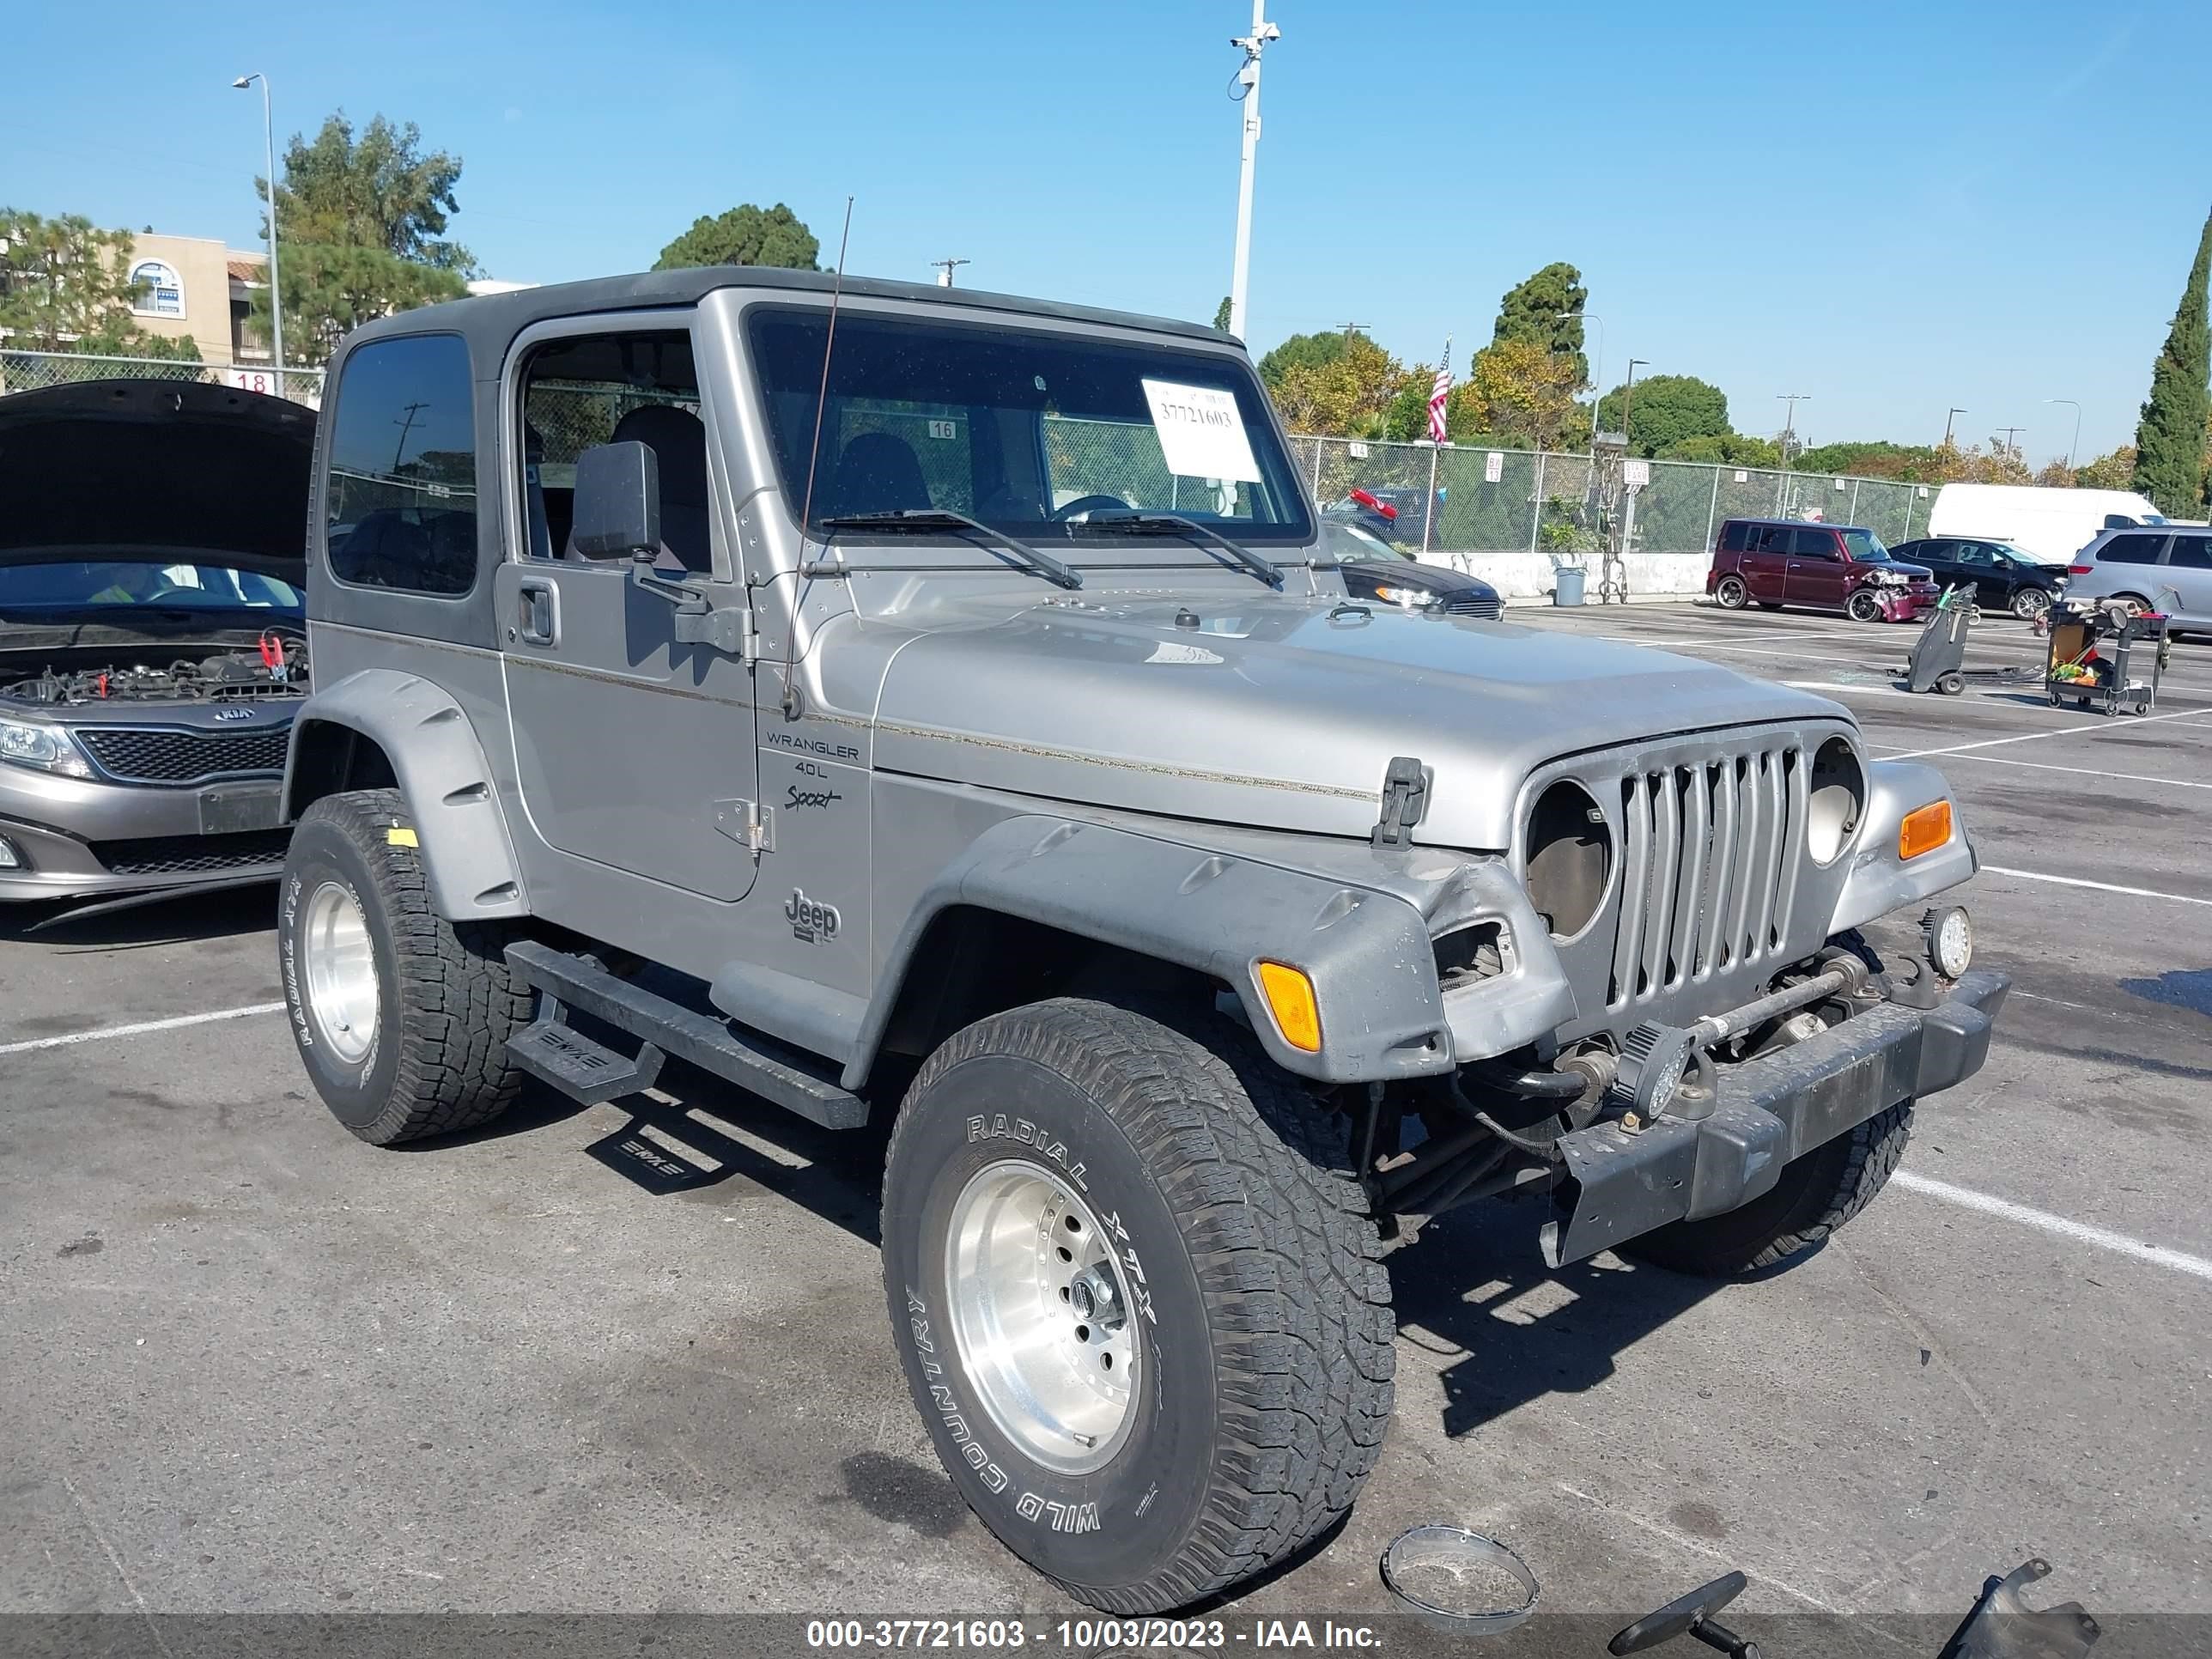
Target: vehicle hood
[
  {"x": 1284, "y": 712},
  {"x": 155, "y": 469},
  {"x": 1426, "y": 578}
]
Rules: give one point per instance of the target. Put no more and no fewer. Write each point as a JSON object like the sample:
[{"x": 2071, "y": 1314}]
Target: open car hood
[{"x": 154, "y": 469}]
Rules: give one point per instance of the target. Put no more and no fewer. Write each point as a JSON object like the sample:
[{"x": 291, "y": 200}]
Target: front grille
[
  {"x": 1711, "y": 852},
  {"x": 179, "y": 855},
  {"x": 169, "y": 755},
  {"x": 1474, "y": 604}
]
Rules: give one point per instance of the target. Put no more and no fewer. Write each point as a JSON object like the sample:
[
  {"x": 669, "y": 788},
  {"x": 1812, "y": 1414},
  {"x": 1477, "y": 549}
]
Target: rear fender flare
[
  {"x": 466, "y": 851},
  {"x": 1367, "y": 951}
]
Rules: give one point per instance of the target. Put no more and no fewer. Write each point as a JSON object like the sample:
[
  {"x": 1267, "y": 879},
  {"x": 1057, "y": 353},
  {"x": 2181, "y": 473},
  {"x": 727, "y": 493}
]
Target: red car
[{"x": 1816, "y": 567}]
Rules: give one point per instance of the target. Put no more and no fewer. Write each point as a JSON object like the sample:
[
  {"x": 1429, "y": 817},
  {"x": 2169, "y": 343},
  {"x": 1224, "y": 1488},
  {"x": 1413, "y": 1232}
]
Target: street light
[
  {"x": 1947, "y": 419},
  {"x": 2076, "y": 443},
  {"x": 275, "y": 299},
  {"x": 1247, "y": 76},
  {"x": 1628, "y": 393}
]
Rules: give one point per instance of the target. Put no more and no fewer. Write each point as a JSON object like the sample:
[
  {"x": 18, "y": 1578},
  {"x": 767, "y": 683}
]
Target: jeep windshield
[
  {"x": 134, "y": 592},
  {"x": 1029, "y": 432}
]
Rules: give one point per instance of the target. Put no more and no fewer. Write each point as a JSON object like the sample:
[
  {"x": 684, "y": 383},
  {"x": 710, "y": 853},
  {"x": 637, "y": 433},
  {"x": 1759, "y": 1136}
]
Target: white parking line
[
  {"x": 2095, "y": 886},
  {"x": 1856, "y": 690},
  {"x": 2087, "y": 771},
  {"x": 2061, "y": 732},
  {"x": 2081, "y": 1232},
  {"x": 143, "y": 1026}
]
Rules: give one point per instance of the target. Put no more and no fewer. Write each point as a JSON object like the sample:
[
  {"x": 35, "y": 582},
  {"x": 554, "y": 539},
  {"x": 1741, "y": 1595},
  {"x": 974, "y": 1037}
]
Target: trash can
[{"x": 1567, "y": 586}]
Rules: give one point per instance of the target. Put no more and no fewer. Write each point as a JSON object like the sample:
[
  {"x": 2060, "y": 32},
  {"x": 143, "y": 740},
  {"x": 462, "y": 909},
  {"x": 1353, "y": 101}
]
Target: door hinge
[
  {"x": 749, "y": 641},
  {"x": 1405, "y": 799},
  {"x": 747, "y": 823}
]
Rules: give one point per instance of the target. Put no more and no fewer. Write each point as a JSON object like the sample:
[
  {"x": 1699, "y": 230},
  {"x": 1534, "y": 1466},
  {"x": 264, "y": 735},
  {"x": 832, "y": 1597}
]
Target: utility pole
[
  {"x": 1790, "y": 421},
  {"x": 1350, "y": 329},
  {"x": 1947, "y": 419},
  {"x": 1628, "y": 392},
  {"x": 1597, "y": 366},
  {"x": 2010, "y": 431},
  {"x": 405, "y": 426},
  {"x": 276, "y": 298},
  {"x": 1248, "y": 77},
  {"x": 2077, "y": 442},
  {"x": 944, "y": 268}
]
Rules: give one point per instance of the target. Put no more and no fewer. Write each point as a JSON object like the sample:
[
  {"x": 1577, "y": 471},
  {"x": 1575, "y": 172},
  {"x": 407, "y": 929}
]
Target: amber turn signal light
[
  {"x": 1924, "y": 829},
  {"x": 1291, "y": 1000}
]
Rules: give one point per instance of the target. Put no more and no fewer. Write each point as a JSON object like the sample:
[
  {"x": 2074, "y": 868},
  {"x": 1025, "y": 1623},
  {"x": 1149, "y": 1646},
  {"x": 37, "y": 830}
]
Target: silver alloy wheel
[
  {"x": 2029, "y": 602},
  {"x": 1041, "y": 1315},
  {"x": 337, "y": 967}
]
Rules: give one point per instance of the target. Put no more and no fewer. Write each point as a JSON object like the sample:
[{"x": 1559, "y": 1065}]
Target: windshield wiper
[
  {"x": 942, "y": 517},
  {"x": 1137, "y": 520}
]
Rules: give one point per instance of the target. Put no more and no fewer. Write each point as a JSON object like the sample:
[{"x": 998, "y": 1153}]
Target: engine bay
[{"x": 276, "y": 667}]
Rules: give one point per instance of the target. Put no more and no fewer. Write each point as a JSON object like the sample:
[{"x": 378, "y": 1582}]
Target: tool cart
[{"x": 2104, "y": 656}]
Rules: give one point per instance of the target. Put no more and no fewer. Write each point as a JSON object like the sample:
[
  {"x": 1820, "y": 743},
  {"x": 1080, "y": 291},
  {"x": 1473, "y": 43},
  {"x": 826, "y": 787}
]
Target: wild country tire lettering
[{"x": 1063, "y": 1517}]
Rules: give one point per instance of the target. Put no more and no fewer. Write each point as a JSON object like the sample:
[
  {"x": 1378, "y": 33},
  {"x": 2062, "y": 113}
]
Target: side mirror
[{"x": 617, "y": 503}]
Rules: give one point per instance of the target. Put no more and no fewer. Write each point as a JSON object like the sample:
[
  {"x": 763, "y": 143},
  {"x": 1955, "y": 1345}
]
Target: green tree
[
  {"x": 1878, "y": 459},
  {"x": 360, "y": 220},
  {"x": 2170, "y": 437},
  {"x": 1221, "y": 314},
  {"x": 2114, "y": 470},
  {"x": 1303, "y": 351},
  {"x": 1665, "y": 410},
  {"x": 1546, "y": 310},
  {"x": 1347, "y": 395},
  {"x": 745, "y": 235},
  {"x": 1520, "y": 393},
  {"x": 1731, "y": 449},
  {"x": 66, "y": 286}
]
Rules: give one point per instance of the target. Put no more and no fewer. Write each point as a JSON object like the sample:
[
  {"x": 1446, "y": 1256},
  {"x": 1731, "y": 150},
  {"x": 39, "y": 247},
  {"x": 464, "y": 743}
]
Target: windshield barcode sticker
[{"x": 1201, "y": 432}]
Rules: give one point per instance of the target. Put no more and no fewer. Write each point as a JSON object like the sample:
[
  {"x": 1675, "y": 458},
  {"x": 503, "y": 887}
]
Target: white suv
[{"x": 2166, "y": 568}]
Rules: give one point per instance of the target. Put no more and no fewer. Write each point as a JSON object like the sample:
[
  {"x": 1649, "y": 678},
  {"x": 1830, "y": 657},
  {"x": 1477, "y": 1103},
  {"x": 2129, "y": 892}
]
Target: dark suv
[{"x": 1816, "y": 567}]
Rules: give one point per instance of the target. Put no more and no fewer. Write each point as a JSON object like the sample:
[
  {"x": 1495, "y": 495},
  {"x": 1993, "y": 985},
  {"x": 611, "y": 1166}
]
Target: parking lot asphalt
[{"x": 255, "y": 1366}]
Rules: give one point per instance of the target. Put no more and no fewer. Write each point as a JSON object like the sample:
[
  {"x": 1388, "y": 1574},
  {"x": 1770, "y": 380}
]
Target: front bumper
[
  {"x": 1770, "y": 1111},
  {"x": 86, "y": 837}
]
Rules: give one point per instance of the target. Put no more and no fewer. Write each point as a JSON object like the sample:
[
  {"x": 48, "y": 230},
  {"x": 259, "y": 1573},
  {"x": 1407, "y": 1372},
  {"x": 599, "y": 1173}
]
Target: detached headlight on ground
[
  {"x": 26, "y": 742},
  {"x": 1950, "y": 932}
]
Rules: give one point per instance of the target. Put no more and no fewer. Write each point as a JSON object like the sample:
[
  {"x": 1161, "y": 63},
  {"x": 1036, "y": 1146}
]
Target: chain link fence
[
  {"x": 32, "y": 371},
  {"x": 1508, "y": 501}
]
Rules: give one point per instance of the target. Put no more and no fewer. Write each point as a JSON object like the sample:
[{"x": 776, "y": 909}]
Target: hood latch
[{"x": 1405, "y": 799}]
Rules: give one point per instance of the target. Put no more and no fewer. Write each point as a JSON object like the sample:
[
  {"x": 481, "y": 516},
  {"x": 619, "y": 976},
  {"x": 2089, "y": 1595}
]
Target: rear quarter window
[
  {"x": 1733, "y": 537},
  {"x": 2191, "y": 552},
  {"x": 2139, "y": 548},
  {"x": 400, "y": 505}
]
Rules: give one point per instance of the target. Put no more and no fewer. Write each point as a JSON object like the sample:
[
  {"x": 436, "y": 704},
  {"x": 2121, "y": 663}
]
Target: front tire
[
  {"x": 1730, "y": 593},
  {"x": 2030, "y": 602},
  {"x": 1815, "y": 1194},
  {"x": 401, "y": 1016},
  {"x": 1863, "y": 606},
  {"x": 1253, "y": 1378}
]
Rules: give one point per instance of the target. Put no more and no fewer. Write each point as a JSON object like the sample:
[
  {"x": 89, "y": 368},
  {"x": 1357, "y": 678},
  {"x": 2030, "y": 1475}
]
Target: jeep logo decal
[{"x": 815, "y": 922}]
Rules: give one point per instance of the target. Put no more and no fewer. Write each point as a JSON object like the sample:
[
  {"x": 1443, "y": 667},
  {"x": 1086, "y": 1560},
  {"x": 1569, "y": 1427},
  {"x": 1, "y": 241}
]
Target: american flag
[{"x": 1438, "y": 395}]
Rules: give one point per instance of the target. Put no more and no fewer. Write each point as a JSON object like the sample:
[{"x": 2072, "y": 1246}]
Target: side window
[
  {"x": 593, "y": 389},
  {"x": 402, "y": 495},
  {"x": 1975, "y": 553},
  {"x": 2141, "y": 549},
  {"x": 1733, "y": 536},
  {"x": 1813, "y": 544},
  {"x": 2191, "y": 552},
  {"x": 1770, "y": 539}
]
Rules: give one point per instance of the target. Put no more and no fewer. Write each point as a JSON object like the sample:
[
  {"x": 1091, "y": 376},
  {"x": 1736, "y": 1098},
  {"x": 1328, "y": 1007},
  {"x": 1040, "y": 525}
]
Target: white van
[{"x": 2051, "y": 524}]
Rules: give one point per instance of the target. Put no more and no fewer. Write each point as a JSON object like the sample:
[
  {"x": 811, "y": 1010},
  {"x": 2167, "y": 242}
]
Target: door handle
[{"x": 540, "y": 604}]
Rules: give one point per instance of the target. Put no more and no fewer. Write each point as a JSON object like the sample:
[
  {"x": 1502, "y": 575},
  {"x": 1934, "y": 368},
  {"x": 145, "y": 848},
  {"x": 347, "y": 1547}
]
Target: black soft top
[{"x": 492, "y": 319}]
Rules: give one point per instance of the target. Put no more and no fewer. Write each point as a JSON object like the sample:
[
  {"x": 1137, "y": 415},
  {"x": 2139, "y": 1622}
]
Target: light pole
[
  {"x": 1597, "y": 368},
  {"x": 2077, "y": 442},
  {"x": 1947, "y": 419},
  {"x": 1628, "y": 395},
  {"x": 1789, "y": 421},
  {"x": 1248, "y": 77},
  {"x": 276, "y": 296}
]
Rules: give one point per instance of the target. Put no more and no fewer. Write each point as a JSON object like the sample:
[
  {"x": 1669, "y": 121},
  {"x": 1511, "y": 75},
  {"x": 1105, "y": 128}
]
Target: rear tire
[
  {"x": 1730, "y": 593},
  {"x": 1816, "y": 1195},
  {"x": 401, "y": 1016},
  {"x": 1258, "y": 1377}
]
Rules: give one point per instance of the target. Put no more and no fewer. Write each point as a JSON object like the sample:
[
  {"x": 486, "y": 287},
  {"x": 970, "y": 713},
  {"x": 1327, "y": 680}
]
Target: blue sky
[{"x": 1893, "y": 209}]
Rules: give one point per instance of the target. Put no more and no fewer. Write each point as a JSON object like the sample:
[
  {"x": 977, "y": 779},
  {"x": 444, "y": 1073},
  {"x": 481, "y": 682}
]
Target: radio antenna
[
  {"x": 821, "y": 398},
  {"x": 790, "y": 703}
]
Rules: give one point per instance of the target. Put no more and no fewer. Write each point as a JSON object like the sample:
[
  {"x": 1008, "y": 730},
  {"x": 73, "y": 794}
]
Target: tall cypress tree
[{"x": 2170, "y": 437}]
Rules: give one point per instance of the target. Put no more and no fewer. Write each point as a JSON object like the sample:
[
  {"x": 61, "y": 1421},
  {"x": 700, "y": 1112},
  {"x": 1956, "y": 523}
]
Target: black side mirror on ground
[{"x": 618, "y": 510}]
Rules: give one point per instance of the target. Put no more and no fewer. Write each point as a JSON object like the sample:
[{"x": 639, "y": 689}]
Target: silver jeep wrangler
[{"x": 915, "y": 704}]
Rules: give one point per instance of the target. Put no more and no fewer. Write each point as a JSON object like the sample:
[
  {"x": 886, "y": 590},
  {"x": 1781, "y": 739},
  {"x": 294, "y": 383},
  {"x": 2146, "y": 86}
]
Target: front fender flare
[
  {"x": 1367, "y": 950},
  {"x": 466, "y": 852}
]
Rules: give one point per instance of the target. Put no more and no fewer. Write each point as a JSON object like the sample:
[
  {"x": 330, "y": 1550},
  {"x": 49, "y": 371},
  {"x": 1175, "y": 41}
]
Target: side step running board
[{"x": 587, "y": 1070}]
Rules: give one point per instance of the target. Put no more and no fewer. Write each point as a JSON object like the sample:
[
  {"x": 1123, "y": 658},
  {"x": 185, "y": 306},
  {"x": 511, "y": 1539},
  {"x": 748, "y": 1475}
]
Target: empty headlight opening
[
  {"x": 1570, "y": 857},
  {"x": 1838, "y": 802}
]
